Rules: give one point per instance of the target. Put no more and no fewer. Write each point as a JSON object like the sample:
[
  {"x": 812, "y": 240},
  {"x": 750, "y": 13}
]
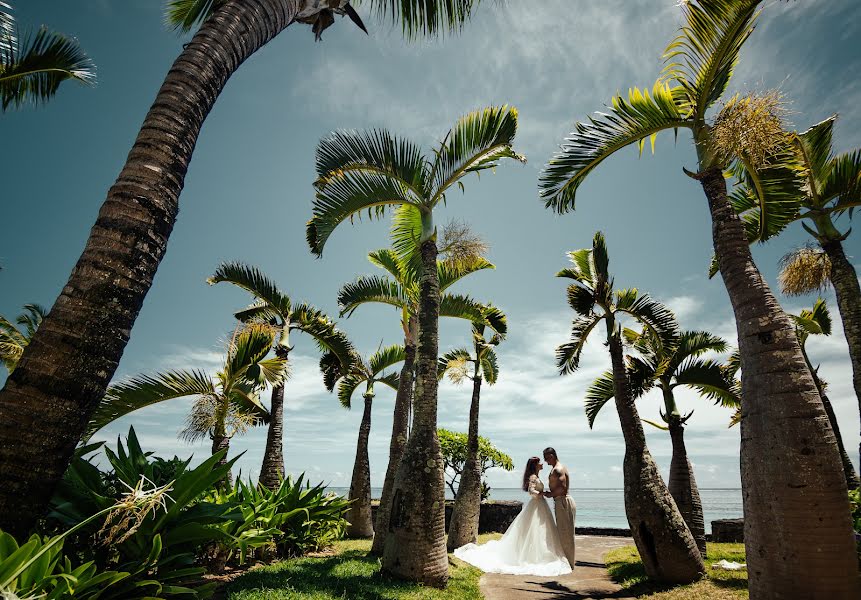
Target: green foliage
[
  {"x": 855, "y": 506},
  {"x": 13, "y": 339},
  {"x": 453, "y": 446}
]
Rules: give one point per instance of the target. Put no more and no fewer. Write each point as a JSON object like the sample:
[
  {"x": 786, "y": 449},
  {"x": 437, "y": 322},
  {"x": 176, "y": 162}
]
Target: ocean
[{"x": 606, "y": 507}]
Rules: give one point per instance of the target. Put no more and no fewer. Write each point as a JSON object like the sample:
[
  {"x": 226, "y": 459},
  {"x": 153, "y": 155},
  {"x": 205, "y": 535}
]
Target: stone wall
[
  {"x": 495, "y": 517},
  {"x": 727, "y": 530}
]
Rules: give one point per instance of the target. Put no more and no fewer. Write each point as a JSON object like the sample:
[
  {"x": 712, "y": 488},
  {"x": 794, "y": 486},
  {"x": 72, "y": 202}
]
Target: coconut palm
[
  {"x": 370, "y": 372},
  {"x": 817, "y": 321},
  {"x": 225, "y": 403},
  {"x": 668, "y": 366},
  {"x": 14, "y": 340},
  {"x": 667, "y": 548},
  {"x": 32, "y": 68},
  {"x": 481, "y": 360},
  {"x": 401, "y": 291},
  {"x": 783, "y": 415},
  {"x": 274, "y": 307},
  {"x": 62, "y": 376},
  {"x": 375, "y": 172}
]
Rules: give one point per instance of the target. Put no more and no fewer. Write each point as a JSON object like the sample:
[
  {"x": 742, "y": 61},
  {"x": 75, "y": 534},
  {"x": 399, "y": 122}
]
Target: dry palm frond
[
  {"x": 130, "y": 511},
  {"x": 202, "y": 418},
  {"x": 461, "y": 245},
  {"x": 239, "y": 422},
  {"x": 804, "y": 270},
  {"x": 458, "y": 370},
  {"x": 751, "y": 127},
  {"x": 736, "y": 418}
]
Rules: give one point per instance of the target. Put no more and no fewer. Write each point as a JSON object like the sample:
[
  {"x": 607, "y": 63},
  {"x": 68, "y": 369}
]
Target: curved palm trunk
[
  {"x": 467, "y": 504},
  {"x": 400, "y": 426},
  {"x": 221, "y": 441},
  {"x": 666, "y": 546},
  {"x": 782, "y": 416},
  {"x": 359, "y": 513},
  {"x": 66, "y": 368},
  {"x": 683, "y": 485},
  {"x": 415, "y": 543},
  {"x": 848, "y": 292},
  {"x": 272, "y": 469}
]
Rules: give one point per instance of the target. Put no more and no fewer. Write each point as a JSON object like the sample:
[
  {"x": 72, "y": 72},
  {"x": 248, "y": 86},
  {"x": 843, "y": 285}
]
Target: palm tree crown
[{"x": 13, "y": 340}]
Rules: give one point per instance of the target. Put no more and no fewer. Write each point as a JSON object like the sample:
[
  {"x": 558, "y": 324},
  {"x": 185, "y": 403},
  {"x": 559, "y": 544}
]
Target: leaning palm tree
[
  {"x": 373, "y": 371},
  {"x": 225, "y": 403},
  {"x": 375, "y": 172},
  {"x": 783, "y": 415},
  {"x": 45, "y": 405},
  {"x": 667, "y": 366},
  {"x": 463, "y": 528},
  {"x": 817, "y": 321},
  {"x": 13, "y": 340},
  {"x": 401, "y": 290},
  {"x": 667, "y": 548},
  {"x": 274, "y": 307},
  {"x": 33, "y": 68}
]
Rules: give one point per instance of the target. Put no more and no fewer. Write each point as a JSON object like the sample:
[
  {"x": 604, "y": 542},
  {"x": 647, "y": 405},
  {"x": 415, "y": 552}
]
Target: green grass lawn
[
  {"x": 625, "y": 568},
  {"x": 348, "y": 574}
]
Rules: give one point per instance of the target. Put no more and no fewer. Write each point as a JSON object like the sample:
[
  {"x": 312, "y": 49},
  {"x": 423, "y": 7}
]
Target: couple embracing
[{"x": 534, "y": 544}]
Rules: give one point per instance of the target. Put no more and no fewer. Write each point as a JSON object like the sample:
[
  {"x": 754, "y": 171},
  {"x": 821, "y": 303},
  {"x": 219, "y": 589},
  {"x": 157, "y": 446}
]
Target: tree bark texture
[
  {"x": 67, "y": 366},
  {"x": 463, "y": 528},
  {"x": 400, "y": 426},
  {"x": 683, "y": 485},
  {"x": 415, "y": 542},
  {"x": 848, "y": 292},
  {"x": 272, "y": 469},
  {"x": 797, "y": 528},
  {"x": 666, "y": 546},
  {"x": 221, "y": 441},
  {"x": 359, "y": 513}
]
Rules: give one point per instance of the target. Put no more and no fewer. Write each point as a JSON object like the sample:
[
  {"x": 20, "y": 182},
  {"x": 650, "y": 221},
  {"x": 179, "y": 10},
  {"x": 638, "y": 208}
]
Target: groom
[{"x": 563, "y": 503}]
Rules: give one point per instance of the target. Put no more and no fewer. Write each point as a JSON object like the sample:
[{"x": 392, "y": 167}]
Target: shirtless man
[{"x": 564, "y": 505}]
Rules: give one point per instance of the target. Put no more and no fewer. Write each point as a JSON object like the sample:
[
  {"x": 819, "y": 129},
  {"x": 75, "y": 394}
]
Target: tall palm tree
[
  {"x": 817, "y": 321},
  {"x": 32, "y": 69},
  {"x": 401, "y": 291},
  {"x": 667, "y": 548},
  {"x": 783, "y": 414},
  {"x": 668, "y": 366},
  {"x": 463, "y": 527},
  {"x": 832, "y": 187},
  {"x": 274, "y": 307},
  {"x": 370, "y": 372},
  {"x": 14, "y": 340},
  {"x": 376, "y": 172},
  {"x": 62, "y": 376},
  {"x": 225, "y": 403}
]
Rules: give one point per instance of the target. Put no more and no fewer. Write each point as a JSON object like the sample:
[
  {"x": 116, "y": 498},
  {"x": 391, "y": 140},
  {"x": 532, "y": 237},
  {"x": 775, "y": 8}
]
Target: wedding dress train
[{"x": 531, "y": 545}]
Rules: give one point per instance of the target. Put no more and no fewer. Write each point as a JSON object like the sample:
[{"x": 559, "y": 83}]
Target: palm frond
[
  {"x": 490, "y": 366},
  {"x": 568, "y": 354},
  {"x": 815, "y": 321},
  {"x": 642, "y": 115},
  {"x": 245, "y": 399},
  {"x": 814, "y": 146},
  {"x": 251, "y": 346},
  {"x": 31, "y": 318},
  {"x": 496, "y": 320},
  {"x": 328, "y": 337},
  {"x": 582, "y": 269},
  {"x": 450, "y": 272},
  {"x": 256, "y": 282},
  {"x": 692, "y": 343},
  {"x": 455, "y": 364},
  {"x": 599, "y": 392},
  {"x": 461, "y": 307},
  {"x": 347, "y": 385},
  {"x": 804, "y": 270},
  {"x": 388, "y": 259},
  {"x": 260, "y": 312},
  {"x": 366, "y": 290},
  {"x": 385, "y": 358},
  {"x": 391, "y": 379},
  {"x": 844, "y": 181},
  {"x": 708, "y": 378},
  {"x": 421, "y": 18},
  {"x": 581, "y": 299},
  {"x": 656, "y": 317},
  {"x": 406, "y": 233},
  {"x": 185, "y": 15}
]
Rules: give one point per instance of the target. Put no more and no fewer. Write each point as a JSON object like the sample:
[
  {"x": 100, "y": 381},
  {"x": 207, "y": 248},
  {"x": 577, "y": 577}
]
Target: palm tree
[
  {"x": 225, "y": 403},
  {"x": 46, "y": 404},
  {"x": 668, "y": 366},
  {"x": 274, "y": 307},
  {"x": 783, "y": 415},
  {"x": 373, "y": 371},
  {"x": 667, "y": 548},
  {"x": 463, "y": 528},
  {"x": 376, "y": 172},
  {"x": 32, "y": 70},
  {"x": 401, "y": 291},
  {"x": 13, "y": 340},
  {"x": 817, "y": 321}
]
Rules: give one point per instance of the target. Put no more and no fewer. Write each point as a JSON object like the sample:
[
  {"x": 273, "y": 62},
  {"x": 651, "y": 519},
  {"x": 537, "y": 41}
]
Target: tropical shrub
[{"x": 453, "y": 446}]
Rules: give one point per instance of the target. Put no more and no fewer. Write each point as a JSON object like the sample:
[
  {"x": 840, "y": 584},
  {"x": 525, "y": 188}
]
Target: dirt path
[{"x": 589, "y": 579}]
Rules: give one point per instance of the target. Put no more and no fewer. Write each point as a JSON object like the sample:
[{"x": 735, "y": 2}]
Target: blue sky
[{"x": 248, "y": 195}]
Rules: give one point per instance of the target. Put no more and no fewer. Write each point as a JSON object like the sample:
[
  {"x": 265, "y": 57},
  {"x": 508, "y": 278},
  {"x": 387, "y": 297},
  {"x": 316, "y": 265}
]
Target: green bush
[{"x": 855, "y": 504}]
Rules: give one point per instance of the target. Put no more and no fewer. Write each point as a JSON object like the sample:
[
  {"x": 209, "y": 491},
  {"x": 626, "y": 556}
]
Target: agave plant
[{"x": 14, "y": 340}]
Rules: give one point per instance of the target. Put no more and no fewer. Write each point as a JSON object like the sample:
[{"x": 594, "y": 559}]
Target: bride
[{"x": 531, "y": 545}]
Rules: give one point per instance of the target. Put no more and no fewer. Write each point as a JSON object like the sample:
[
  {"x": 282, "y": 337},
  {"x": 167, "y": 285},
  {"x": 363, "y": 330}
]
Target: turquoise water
[{"x": 606, "y": 508}]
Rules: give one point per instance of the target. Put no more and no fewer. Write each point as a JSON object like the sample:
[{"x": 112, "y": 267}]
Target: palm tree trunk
[
  {"x": 400, "y": 426},
  {"x": 359, "y": 513},
  {"x": 666, "y": 546},
  {"x": 783, "y": 418},
  {"x": 415, "y": 543},
  {"x": 221, "y": 441},
  {"x": 272, "y": 469},
  {"x": 848, "y": 292},
  {"x": 46, "y": 403},
  {"x": 463, "y": 528},
  {"x": 683, "y": 485}
]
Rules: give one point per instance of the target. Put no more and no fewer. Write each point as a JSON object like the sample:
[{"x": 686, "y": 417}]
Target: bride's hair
[{"x": 530, "y": 471}]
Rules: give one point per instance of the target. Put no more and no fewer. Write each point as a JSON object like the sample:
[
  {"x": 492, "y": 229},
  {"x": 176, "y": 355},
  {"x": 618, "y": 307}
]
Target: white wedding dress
[{"x": 530, "y": 546}]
